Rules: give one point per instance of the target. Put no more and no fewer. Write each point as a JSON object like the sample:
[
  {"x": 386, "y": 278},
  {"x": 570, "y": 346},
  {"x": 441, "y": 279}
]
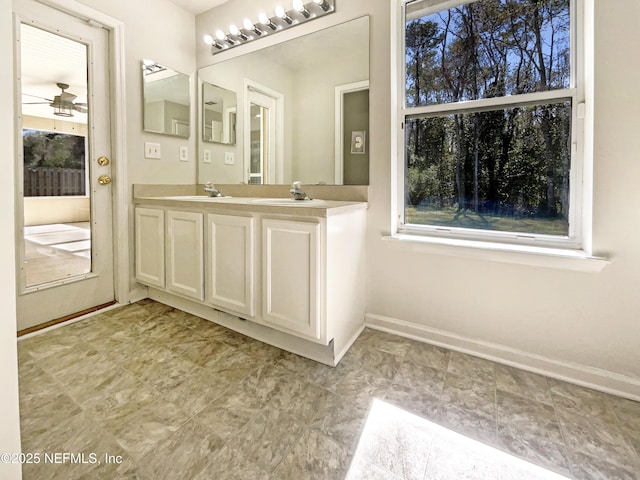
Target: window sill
[{"x": 577, "y": 260}]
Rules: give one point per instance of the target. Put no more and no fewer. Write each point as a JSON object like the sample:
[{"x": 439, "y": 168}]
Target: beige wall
[
  {"x": 44, "y": 210},
  {"x": 585, "y": 320}
]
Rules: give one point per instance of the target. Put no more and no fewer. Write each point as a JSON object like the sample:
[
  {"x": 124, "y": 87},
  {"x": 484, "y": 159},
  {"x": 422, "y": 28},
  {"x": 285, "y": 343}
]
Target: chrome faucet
[
  {"x": 212, "y": 190},
  {"x": 297, "y": 193}
]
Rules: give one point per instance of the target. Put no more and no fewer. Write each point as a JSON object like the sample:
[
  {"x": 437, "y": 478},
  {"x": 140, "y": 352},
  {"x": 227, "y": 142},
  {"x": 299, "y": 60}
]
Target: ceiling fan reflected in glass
[{"x": 63, "y": 105}]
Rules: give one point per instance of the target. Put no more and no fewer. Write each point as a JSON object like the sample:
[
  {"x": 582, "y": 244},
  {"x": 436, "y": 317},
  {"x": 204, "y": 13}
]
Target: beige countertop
[{"x": 285, "y": 206}]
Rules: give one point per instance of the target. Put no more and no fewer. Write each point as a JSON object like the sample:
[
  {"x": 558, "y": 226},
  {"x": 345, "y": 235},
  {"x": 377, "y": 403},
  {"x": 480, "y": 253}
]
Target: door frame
[
  {"x": 275, "y": 169},
  {"x": 119, "y": 197},
  {"x": 341, "y": 90}
]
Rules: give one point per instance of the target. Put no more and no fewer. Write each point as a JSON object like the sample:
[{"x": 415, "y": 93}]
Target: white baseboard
[
  {"x": 139, "y": 292},
  {"x": 598, "y": 379}
]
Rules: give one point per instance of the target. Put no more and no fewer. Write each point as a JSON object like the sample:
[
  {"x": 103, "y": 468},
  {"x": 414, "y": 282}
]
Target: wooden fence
[{"x": 53, "y": 182}]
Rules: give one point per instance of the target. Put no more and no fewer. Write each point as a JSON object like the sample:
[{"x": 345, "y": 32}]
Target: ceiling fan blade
[
  {"x": 36, "y": 96},
  {"x": 36, "y": 103},
  {"x": 79, "y": 108}
]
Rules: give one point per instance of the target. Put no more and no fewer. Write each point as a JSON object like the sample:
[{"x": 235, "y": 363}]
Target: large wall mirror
[
  {"x": 301, "y": 111},
  {"x": 167, "y": 100}
]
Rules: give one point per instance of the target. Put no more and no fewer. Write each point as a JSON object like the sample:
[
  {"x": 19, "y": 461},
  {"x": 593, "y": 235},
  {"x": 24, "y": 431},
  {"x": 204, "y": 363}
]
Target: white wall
[
  {"x": 164, "y": 33},
  {"x": 9, "y": 417},
  {"x": 586, "y": 322}
]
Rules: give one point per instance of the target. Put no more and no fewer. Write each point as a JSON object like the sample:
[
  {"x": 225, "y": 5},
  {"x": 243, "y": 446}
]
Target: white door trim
[
  {"x": 276, "y": 168},
  {"x": 121, "y": 207},
  {"x": 339, "y": 139}
]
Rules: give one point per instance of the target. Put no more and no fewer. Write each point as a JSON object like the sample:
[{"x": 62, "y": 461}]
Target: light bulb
[
  {"x": 322, "y": 4},
  {"x": 265, "y": 20},
  {"x": 282, "y": 14},
  {"x": 235, "y": 31},
  {"x": 220, "y": 35},
  {"x": 298, "y": 5},
  {"x": 208, "y": 39},
  {"x": 249, "y": 25}
]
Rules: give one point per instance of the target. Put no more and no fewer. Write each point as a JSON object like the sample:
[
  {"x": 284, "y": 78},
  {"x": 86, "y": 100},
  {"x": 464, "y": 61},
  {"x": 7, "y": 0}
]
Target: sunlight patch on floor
[
  {"x": 56, "y": 252},
  {"x": 397, "y": 445}
]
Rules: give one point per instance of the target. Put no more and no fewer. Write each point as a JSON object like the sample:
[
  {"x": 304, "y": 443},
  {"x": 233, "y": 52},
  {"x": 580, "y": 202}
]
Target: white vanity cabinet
[
  {"x": 230, "y": 263},
  {"x": 149, "y": 246},
  {"x": 185, "y": 254},
  {"x": 291, "y": 276},
  {"x": 169, "y": 250}
]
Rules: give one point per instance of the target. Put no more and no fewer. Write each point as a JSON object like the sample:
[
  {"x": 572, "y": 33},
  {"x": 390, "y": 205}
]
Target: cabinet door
[
  {"x": 291, "y": 276},
  {"x": 185, "y": 262},
  {"x": 230, "y": 262},
  {"x": 150, "y": 246}
]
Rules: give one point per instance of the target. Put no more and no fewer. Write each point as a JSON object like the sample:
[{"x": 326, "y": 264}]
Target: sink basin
[
  {"x": 288, "y": 202},
  {"x": 200, "y": 198}
]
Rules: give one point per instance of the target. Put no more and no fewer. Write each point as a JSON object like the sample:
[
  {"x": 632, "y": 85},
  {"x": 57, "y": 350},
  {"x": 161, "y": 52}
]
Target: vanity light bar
[{"x": 281, "y": 20}]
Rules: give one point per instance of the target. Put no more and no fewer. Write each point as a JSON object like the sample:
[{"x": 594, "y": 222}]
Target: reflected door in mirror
[
  {"x": 219, "y": 113},
  {"x": 262, "y": 136}
]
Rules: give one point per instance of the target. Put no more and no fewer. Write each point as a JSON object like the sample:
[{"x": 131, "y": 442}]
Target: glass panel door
[
  {"x": 64, "y": 195},
  {"x": 55, "y": 167}
]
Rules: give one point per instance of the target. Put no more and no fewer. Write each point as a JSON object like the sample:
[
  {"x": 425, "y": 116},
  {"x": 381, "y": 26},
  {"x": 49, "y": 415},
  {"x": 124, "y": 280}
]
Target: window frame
[{"x": 578, "y": 235}]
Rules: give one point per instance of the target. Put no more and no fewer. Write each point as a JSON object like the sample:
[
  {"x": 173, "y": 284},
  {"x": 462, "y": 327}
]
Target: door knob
[
  {"x": 104, "y": 179},
  {"x": 103, "y": 161}
]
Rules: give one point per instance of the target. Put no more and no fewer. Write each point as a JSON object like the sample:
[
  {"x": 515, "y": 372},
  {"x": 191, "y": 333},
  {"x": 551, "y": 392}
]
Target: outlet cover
[
  {"x": 229, "y": 158},
  {"x": 152, "y": 150},
  {"x": 184, "y": 154},
  {"x": 207, "y": 156}
]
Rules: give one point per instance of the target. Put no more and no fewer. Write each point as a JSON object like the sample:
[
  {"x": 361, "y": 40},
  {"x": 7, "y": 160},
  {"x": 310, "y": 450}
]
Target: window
[
  {"x": 490, "y": 118},
  {"x": 54, "y": 164}
]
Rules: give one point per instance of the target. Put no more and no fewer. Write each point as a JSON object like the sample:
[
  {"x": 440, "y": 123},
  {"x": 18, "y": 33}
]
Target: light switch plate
[
  {"x": 207, "y": 156},
  {"x": 184, "y": 154},
  {"x": 229, "y": 158},
  {"x": 152, "y": 150}
]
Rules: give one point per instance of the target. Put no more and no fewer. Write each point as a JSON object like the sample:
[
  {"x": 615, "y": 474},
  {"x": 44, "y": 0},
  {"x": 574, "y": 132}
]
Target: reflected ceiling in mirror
[
  {"x": 167, "y": 100},
  {"x": 311, "y": 74},
  {"x": 219, "y": 111}
]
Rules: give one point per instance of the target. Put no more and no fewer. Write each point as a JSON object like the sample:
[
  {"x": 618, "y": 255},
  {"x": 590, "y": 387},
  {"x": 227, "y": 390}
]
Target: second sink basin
[{"x": 289, "y": 202}]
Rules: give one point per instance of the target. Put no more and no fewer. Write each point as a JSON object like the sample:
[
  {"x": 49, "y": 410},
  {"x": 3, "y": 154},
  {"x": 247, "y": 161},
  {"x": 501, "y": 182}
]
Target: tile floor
[{"x": 176, "y": 397}]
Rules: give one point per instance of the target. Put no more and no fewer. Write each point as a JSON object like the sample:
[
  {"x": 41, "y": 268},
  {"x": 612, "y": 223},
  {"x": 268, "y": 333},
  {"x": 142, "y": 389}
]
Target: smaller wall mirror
[
  {"x": 219, "y": 112},
  {"x": 167, "y": 100}
]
